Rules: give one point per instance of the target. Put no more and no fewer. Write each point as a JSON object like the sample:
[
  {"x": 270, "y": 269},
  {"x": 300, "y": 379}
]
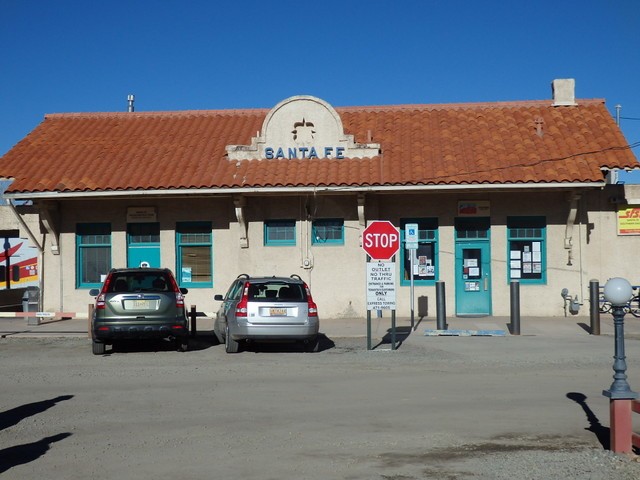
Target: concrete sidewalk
[{"x": 357, "y": 327}]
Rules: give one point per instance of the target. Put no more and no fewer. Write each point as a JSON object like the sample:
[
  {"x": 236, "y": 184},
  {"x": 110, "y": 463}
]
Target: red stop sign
[{"x": 381, "y": 240}]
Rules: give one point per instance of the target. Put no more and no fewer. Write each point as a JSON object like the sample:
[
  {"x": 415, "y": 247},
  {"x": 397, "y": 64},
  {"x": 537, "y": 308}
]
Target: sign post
[
  {"x": 381, "y": 241},
  {"x": 411, "y": 244}
]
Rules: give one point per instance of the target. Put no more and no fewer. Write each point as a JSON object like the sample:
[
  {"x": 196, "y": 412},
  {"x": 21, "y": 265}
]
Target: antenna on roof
[{"x": 131, "y": 98}]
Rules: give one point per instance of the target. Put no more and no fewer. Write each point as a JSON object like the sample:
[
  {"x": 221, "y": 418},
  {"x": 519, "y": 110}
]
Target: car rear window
[
  {"x": 139, "y": 282},
  {"x": 277, "y": 291}
]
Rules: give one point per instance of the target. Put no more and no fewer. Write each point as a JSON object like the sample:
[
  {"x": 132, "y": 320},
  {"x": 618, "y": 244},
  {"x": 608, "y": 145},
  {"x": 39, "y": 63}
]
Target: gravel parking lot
[{"x": 437, "y": 408}]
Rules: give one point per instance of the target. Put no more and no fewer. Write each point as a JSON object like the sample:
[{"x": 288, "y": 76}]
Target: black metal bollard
[
  {"x": 192, "y": 318},
  {"x": 594, "y": 306},
  {"x": 441, "y": 311},
  {"x": 515, "y": 307}
]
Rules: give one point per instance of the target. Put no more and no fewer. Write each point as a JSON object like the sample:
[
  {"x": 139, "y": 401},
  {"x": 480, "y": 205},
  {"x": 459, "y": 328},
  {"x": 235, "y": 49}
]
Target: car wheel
[
  {"x": 182, "y": 344},
  {"x": 230, "y": 345},
  {"x": 98, "y": 348}
]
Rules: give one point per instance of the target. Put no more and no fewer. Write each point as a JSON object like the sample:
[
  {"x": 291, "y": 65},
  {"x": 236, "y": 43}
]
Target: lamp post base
[{"x": 621, "y": 426}]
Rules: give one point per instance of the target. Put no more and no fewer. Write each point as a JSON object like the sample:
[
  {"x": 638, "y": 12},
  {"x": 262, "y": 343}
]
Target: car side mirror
[
  {"x": 218, "y": 297},
  {"x": 184, "y": 291},
  {"x": 94, "y": 292}
]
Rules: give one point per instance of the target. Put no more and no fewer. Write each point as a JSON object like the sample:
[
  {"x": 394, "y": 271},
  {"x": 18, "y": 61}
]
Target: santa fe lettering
[{"x": 271, "y": 153}]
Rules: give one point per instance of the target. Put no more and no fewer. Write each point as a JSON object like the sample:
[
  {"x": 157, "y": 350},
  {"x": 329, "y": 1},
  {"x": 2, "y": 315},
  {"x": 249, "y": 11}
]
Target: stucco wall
[{"x": 337, "y": 276}]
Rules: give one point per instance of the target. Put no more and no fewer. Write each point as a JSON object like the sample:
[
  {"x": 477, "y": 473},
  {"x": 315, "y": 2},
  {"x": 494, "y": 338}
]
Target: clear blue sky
[{"x": 81, "y": 56}]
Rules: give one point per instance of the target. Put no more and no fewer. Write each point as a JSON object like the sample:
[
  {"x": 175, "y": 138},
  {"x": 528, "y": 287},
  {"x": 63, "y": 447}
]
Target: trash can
[{"x": 30, "y": 301}]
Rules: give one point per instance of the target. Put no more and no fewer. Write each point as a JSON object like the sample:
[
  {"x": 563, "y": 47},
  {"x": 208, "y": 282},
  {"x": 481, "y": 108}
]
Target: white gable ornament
[{"x": 302, "y": 127}]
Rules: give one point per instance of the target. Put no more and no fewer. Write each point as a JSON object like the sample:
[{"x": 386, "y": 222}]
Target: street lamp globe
[{"x": 618, "y": 291}]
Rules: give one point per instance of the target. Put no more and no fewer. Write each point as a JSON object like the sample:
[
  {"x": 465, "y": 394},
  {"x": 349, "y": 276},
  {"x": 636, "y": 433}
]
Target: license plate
[
  {"x": 139, "y": 304},
  {"x": 277, "y": 312}
]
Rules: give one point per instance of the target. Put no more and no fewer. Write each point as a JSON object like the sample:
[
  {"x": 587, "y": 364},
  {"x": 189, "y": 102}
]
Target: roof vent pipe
[
  {"x": 564, "y": 92},
  {"x": 131, "y": 98}
]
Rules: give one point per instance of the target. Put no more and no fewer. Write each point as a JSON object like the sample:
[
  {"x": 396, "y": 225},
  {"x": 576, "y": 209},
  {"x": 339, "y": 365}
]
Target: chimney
[
  {"x": 130, "y": 99},
  {"x": 564, "y": 92}
]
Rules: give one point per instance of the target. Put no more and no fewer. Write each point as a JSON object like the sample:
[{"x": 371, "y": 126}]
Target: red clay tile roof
[{"x": 496, "y": 143}]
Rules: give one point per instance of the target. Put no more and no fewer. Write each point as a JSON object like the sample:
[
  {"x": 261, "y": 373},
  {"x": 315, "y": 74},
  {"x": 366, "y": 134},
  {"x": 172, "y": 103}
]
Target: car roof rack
[
  {"x": 245, "y": 275},
  {"x": 295, "y": 275}
]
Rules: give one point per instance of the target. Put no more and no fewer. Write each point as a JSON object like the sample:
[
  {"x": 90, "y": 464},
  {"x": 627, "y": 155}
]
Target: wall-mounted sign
[
  {"x": 474, "y": 208},
  {"x": 141, "y": 214},
  {"x": 629, "y": 220}
]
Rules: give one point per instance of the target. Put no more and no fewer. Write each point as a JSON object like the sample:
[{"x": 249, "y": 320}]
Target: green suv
[{"x": 138, "y": 303}]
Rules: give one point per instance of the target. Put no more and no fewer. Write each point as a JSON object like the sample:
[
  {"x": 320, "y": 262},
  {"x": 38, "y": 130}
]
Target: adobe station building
[{"x": 500, "y": 191}]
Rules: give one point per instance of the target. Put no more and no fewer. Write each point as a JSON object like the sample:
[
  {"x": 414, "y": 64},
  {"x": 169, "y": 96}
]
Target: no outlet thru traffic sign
[{"x": 381, "y": 240}]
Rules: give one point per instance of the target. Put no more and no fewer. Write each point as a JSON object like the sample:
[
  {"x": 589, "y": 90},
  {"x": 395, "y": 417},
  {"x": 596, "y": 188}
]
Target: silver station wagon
[{"x": 267, "y": 309}]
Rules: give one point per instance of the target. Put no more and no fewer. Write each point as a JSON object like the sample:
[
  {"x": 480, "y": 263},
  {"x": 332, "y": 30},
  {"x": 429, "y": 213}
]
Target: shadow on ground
[
  {"x": 601, "y": 432},
  {"x": 28, "y": 452}
]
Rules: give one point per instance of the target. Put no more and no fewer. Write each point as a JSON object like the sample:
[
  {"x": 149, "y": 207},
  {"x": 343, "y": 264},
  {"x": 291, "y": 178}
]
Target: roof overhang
[{"x": 199, "y": 192}]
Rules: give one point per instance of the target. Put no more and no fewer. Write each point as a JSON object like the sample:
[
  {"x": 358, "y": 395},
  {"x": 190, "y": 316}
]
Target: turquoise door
[
  {"x": 143, "y": 245},
  {"x": 473, "y": 267}
]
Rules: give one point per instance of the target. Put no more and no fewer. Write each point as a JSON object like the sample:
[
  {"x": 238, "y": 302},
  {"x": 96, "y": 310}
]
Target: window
[
  {"x": 328, "y": 232},
  {"x": 144, "y": 233},
  {"x": 194, "y": 246},
  {"x": 93, "y": 253},
  {"x": 472, "y": 228},
  {"x": 425, "y": 258},
  {"x": 234, "y": 292},
  {"x": 527, "y": 250},
  {"x": 279, "y": 232}
]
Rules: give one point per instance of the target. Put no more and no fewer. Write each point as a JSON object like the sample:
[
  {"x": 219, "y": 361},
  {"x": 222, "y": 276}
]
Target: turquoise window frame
[
  {"x": 327, "y": 231},
  {"x": 89, "y": 238},
  {"x": 193, "y": 234},
  {"x": 523, "y": 231},
  {"x": 428, "y": 233},
  {"x": 279, "y": 228}
]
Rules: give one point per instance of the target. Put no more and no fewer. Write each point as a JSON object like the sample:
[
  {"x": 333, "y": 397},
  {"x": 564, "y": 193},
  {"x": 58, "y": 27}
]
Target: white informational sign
[
  {"x": 381, "y": 286},
  {"x": 411, "y": 236}
]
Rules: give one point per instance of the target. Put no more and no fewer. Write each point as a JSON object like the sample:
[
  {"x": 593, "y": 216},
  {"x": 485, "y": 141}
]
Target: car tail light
[
  {"x": 176, "y": 290},
  {"x": 100, "y": 303},
  {"x": 179, "y": 300},
  {"x": 313, "y": 308},
  {"x": 107, "y": 283},
  {"x": 100, "y": 299},
  {"x": 241, "y": 308}
]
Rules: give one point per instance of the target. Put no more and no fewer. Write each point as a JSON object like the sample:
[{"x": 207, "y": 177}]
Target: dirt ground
[{"x": 438, "y": 407}]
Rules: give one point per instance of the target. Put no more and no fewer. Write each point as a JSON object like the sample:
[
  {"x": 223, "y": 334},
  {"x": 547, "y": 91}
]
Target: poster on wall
[{"x": 629, "y": 220}]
